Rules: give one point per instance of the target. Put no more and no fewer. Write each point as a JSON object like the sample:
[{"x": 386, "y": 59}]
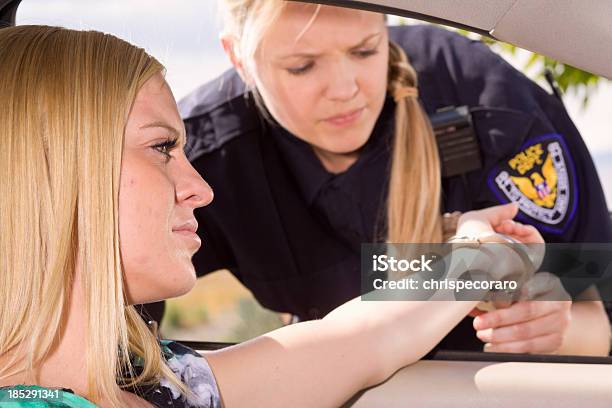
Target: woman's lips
[
  {"x": 345, "y": 118},
  {"x": 188, "y": 235}
]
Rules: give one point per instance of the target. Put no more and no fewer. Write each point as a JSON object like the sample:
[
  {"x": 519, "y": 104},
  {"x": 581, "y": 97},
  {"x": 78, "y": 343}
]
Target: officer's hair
[
  {"x": 247, "y": 21},
  {"x": 413, "y": 209},
  {"x": 65, "y": 98}
]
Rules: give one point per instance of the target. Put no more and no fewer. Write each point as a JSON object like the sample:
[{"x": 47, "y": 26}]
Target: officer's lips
[
  {"x": 345, "y": 118},
  {"x": 187, "y": 231}
]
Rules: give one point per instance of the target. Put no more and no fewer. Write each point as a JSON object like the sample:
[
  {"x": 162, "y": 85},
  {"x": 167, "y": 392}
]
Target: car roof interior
[
  {"x": 8, "y": 9},
  {"x": 571, "y": 31}
]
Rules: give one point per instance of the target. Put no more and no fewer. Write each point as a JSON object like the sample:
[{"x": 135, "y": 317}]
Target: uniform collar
[{"x": 305, "y": 166}]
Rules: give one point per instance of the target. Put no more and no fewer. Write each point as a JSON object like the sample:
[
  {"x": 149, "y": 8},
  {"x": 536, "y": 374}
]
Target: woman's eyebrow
[
  {"x": 365, "y": 40},
  {"x": 177, "y": 133},
  {"x": 312, "y": 55}
]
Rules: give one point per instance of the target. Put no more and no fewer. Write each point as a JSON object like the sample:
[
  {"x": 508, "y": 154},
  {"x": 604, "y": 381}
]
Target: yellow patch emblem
[
  {"x": 540, "y": 186},
  {"x": 525, "y": 160},
  {"x": 541, "y": 179}
]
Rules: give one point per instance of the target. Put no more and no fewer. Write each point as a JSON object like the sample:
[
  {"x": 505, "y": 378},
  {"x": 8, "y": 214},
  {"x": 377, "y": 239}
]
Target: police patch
[{"x": 541, "y": 179}]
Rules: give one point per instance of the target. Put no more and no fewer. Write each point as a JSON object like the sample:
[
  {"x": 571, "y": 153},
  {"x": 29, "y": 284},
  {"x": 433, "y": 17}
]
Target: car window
[{"x": 184, "y": 37}]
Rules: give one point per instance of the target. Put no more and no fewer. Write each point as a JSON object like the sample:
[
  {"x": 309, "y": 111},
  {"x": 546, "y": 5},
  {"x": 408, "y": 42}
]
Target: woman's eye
[
  {"x": 366, "y": 53},
  {"x": 166, "y": 147},
  {"x": 300, "y": 70}
]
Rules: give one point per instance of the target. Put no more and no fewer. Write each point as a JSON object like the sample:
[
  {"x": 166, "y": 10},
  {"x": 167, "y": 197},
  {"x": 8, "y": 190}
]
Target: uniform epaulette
[{"x": 216, "y": 113}]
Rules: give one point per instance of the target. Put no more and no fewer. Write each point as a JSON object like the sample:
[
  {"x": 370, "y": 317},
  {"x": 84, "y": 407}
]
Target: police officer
[{"x": 300, "y": 158}]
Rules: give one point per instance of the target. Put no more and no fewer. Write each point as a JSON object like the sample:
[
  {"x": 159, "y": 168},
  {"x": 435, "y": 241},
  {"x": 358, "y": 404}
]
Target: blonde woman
[
  {"x": 318, "y": 142},
  {"x": 97, "y": 215}
]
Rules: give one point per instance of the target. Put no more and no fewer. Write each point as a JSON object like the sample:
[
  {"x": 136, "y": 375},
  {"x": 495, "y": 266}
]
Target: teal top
[
  {"x": 34, "y": 396},
  {"x": 188, "y": 365}
]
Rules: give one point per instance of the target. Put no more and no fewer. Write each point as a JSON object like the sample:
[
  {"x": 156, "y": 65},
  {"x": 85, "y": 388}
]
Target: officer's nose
[
  {"x": 191, "y": 189},
  {"x": 342, "y": 83}
]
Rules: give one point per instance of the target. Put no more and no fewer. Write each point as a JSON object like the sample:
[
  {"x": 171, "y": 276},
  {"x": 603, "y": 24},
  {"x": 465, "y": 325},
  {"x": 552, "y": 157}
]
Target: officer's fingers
[
  {"x": 473, "y": 226},
  {"x": 474, "y": 223},
  {"x": 528, "y": 234},
  {"x": 515, "y": 228},
  {"x": 548, "y": 343},
  {"x": 476, "y": 312},
  {"x": 529, "y": 230},
  {"x": 549, "y": 324},
  {"x": 506, "y": 227},
  {"x": 521, "y": 232},
  {"x": 538, "y": 285},
  {"x": 494, "y": 215},
  {"x": 517, "y": 313},
  {"x": 502, "y": 302},
  {"x": 499, "y": 213},
  {"x": 544, "y": 286}
]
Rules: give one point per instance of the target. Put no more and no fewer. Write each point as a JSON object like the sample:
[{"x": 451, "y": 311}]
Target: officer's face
[
  {"x": 157, "y": 195},
  {"x": 324, "y": 80}
]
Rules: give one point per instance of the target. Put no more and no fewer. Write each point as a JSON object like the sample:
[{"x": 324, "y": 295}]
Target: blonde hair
[
  {"x": 413, "y": 209},
  {"x": 247, "y": 21},
  {"x": 66, "y": 97},
  {"x": 414, "y": 203}
]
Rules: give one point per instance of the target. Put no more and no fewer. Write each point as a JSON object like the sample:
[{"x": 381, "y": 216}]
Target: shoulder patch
[{"x": 541, "y": 178}]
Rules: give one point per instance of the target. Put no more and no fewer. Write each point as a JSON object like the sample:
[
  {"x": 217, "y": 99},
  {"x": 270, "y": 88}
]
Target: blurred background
[{"x": 183, "y": 35}]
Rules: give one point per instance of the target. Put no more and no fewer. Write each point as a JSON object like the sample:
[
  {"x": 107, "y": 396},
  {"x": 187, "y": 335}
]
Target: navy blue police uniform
[{"x": 291, "y": 232}]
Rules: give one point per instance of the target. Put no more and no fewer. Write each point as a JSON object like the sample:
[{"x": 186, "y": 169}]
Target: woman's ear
[{"x": 230, "y": 46}]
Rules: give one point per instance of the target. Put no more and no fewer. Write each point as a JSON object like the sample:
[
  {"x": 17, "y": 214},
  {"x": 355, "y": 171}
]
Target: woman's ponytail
[{"x": 413, "y": 211}]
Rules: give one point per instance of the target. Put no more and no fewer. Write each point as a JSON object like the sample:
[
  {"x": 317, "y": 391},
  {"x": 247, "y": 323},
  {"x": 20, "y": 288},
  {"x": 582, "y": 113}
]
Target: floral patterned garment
[{"x": 188, "y": 365}]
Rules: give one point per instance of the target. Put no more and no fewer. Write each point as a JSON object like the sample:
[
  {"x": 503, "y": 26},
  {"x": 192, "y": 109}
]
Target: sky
[{"x": 184, "y": 36}]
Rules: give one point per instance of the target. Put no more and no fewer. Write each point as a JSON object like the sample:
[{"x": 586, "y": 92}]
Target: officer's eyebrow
[
  {"x": 312, "y": 55},
  {"x": 175, "y": 132}
]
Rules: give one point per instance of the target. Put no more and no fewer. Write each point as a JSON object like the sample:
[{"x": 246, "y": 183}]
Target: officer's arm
[
  {"x": 587, "y": 317},
  {"x": 488, "y": 80}
]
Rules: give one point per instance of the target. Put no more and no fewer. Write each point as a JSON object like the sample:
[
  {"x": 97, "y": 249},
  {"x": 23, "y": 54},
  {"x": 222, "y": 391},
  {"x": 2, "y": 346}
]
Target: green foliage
[
  {"x": 568, "y": 78},
  {"x": 177, "y": 316},
  {"x": 254, "y": 321}
]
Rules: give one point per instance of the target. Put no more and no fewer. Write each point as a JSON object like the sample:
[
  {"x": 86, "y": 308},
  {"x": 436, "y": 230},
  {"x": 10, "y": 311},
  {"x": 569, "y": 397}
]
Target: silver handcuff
[{"x": 531, "y": 256}]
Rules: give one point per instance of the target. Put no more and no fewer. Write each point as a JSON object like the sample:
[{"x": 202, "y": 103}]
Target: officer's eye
[
  {"x": 166, "y": 147},
  {"x": 364, "y": 53},
  {"x": 301, "y": 70}
]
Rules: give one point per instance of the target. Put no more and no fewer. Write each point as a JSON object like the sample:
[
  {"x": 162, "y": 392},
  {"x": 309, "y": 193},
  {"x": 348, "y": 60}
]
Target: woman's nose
[
  {"x": 342, "y": 84},
  {"x": 192, "y": 189}
]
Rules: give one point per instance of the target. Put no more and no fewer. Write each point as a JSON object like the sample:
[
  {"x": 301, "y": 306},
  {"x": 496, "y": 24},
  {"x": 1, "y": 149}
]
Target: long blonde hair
[
  {"x": 413, "y": 203},
  {"x": 413, "y": 209},
  {"x": 66, "y": 96}
]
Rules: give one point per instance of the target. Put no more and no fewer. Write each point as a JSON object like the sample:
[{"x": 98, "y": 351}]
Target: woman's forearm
[
  {"x": 358, "y": 344},
  {"x": 322, "y": 363},
  {"x": 402, "y": 332}
]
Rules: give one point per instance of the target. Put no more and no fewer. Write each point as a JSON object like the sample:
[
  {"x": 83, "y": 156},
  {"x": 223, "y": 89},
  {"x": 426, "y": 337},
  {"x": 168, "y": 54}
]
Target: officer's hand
[
  {"x": 497, "y": 219},
  {"x": 527, "y": 234},
  {"x": 530, "y": 325},
  {"x": 483, "y": 222}
]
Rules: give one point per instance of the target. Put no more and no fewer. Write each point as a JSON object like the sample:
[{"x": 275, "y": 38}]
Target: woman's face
[
  {"x": 324, "y": 81},
  {"x": 159, "y": 189}
]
